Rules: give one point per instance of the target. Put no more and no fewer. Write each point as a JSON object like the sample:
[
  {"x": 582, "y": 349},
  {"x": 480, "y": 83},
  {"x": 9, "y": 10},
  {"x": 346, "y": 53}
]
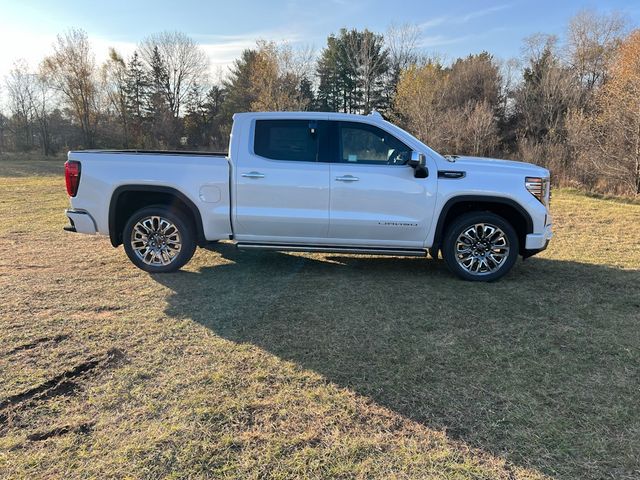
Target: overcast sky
[{"x": 223, "y": 28}]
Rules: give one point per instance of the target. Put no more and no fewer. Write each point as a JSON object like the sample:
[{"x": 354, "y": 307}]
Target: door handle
[
  {"x": 347, "y": 178},
  {"x": 253, "y": 175}
]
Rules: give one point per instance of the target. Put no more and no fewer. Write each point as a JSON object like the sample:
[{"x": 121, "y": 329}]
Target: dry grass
[{"x": 257, "y": 364}]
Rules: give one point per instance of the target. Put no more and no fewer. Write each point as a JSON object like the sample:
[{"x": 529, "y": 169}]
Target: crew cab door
[
  {"x": 282, "y": 191},
  {"x": 375, "y": 198}
]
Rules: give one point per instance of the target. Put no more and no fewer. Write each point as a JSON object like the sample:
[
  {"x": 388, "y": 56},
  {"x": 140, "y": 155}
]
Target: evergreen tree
[
  {"x": 165, "y": 129},
  {"x": 137, "y": 91},
  {"x": 352, "y": 71}
]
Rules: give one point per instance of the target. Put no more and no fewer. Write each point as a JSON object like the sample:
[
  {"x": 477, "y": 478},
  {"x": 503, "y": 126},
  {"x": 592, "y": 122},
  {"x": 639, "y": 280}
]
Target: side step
[{"x": 331, "y": 249}]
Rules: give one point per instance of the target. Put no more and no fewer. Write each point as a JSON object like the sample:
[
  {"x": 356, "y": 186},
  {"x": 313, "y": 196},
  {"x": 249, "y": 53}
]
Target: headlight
[{"x": 539, "y": 188}]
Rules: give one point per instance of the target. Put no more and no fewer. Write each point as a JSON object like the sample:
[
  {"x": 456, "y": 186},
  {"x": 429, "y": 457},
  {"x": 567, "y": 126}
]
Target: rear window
[{"x": 295, "y": 140}]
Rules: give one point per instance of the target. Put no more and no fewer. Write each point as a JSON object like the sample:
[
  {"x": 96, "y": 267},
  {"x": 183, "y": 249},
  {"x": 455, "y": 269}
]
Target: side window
[
  {"x": 295, "y": 140},
  {"x": 362, "y": 143}
]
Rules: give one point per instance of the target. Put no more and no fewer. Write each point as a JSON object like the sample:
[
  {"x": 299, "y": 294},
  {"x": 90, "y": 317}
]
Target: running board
[{"x": 330, "y": 249}]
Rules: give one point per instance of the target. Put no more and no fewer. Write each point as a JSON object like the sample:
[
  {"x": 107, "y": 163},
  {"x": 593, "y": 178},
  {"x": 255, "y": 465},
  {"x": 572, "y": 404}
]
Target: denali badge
[{"x": 398, "y": 224}]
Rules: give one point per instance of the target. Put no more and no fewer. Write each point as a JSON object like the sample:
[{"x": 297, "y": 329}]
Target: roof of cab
[{"x": 373, "y": 116}]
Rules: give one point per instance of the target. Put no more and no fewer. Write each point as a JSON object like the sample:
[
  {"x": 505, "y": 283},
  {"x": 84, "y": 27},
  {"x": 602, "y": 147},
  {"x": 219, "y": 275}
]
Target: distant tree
[
  {"x": 164, "y": 126},
  {"x": 276, "y": 79},
  {"x": 71, "y": 69},
  {"x": 419, "y": 100},
  {"x": 592, "y": 40},
  {"x": 204, "y": 120},
  {"x": 545, "y": 95},
  {"x": 402, "y": 47},
  {"x": 137, "y": 92},
  {"x": 30, "y": 102},
  {"x": 332, "y": 88},
  {"x": 114, "y": 73},
  {"x": 3, "y": 132},
  {"x": 20, "y": 91},
  {"x": 352, "y": 71},
  {"x": 43, "y": 103},
  {"x": 608, "y": 139},
  {"x": 366, "y": 52},
  {"x": 185, "y": 65},
  {"x": 474, "y": 79},
  {"x": 306, "y": 94},
  {"x": 240, "y": 94}
]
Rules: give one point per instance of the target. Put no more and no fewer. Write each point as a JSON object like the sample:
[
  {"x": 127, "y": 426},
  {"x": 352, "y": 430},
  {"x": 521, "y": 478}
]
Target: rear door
[
  {"x": 375, "y": 198},
  {"x": 282, "y": 191}
]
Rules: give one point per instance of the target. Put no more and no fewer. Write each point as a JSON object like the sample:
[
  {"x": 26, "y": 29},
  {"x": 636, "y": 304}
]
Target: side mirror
[{"x": 419, "y": 163}]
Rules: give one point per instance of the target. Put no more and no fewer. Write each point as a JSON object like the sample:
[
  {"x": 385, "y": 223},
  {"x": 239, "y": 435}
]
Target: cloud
[
  {"x": 441, "y": 40},
  {"x": 461, "y": 19}
]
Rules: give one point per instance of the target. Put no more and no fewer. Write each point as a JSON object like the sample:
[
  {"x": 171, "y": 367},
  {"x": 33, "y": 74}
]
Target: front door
[{"x": 375, "y": 198}]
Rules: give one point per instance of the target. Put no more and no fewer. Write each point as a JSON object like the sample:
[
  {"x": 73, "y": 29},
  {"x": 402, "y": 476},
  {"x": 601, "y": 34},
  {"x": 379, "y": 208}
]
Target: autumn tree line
[{"x": 571, "y": 104}]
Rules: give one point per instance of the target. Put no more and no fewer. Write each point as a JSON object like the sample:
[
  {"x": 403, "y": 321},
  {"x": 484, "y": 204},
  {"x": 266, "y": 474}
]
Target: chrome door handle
[
  {"x": 253, "y": 175},
  {"x": 347, "y": 178}
]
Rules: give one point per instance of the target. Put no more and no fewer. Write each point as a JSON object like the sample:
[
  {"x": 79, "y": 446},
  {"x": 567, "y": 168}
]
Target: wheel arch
[
  {"x": 127, "y": 199},
  {"x": 507, "y": 208}
]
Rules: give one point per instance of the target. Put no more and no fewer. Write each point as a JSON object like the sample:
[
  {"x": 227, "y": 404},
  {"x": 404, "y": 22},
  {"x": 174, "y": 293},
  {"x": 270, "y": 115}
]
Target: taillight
[{"x": 72, "y": 177}]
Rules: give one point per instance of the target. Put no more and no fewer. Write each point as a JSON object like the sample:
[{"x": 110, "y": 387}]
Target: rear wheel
[
  {"x": 158, "y": 239},
  {"x": 480, "y": 246}
]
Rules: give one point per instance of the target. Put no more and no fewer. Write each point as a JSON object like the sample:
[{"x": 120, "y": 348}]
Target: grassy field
[{"x": 271, "y": 365}]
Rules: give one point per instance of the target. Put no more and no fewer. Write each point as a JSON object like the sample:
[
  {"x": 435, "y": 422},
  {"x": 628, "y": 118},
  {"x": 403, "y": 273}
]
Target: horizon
[{"x": 497, "y": 27}]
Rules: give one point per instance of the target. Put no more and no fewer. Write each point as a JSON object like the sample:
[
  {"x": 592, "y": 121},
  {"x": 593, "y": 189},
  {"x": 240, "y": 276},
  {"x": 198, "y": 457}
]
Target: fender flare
[
  {"x": 113, "y": 234},
  {"x": 437, "y": 238}
]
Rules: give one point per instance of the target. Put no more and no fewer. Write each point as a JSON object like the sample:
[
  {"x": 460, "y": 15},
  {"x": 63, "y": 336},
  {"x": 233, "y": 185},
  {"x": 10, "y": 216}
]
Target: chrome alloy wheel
[
  {"x": 482, "y": 249},
  {"x": 156, "y": 241}
]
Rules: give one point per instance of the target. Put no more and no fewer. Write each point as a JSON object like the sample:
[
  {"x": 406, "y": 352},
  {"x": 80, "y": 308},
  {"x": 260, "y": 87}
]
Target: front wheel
[
  {"x": 158, "y": 240},
  {"x": 480, "y": 246}
]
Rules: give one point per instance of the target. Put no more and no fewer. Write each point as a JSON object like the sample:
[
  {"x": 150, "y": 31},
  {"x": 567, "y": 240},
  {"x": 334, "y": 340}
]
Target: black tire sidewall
[
  {"x": 463, "y": 222},
  {"x": 186, "y": 234}
]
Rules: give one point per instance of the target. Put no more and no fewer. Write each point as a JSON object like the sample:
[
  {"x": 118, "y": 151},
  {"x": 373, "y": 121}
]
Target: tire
[
  {"x": 171, "y": 246},
  {"x": 480, "y": 247},
  {"x": 433, "y": 253}
]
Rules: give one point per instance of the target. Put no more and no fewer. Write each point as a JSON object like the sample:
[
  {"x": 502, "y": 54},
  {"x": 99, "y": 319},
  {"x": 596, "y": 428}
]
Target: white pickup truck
[{"x": 313, "y": 182}]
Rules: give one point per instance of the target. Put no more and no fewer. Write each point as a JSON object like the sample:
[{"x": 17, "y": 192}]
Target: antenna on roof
[{"x": 375, "y": 114}]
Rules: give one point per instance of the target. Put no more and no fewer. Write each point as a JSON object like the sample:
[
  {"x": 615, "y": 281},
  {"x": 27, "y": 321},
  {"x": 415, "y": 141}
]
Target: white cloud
[{"x": 461, "y": 19}]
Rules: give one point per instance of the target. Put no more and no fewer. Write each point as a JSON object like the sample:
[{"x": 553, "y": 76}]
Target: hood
[{"x": 480, "y": 163}]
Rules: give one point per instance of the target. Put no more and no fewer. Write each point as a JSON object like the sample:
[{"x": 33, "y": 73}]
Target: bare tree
[
  {"x": 114, "y": 77},
  {"x": 592, "y": 40},
  {"x": 608, "y": 139},
  {"x": 366, "y": 54},
  {"x": 20, "y": 90},
  {"x": 30, "y": 103},
  {"x": 276, "y": 77},
  {"x": 72, "y": 70},
  {"x": 43, "y": 103},
  {"x": 186, "y": 65},
  {"x": 402, "y": 46}
]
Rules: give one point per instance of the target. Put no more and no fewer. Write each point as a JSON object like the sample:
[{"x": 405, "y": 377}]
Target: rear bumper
[{"x": 80, "y": 222}]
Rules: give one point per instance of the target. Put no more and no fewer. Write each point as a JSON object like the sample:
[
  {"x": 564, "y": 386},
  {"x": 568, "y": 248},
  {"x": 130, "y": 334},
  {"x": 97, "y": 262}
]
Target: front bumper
[
  {"x": 539, "y": 241},
  {"x": 80, "y": 222}
]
